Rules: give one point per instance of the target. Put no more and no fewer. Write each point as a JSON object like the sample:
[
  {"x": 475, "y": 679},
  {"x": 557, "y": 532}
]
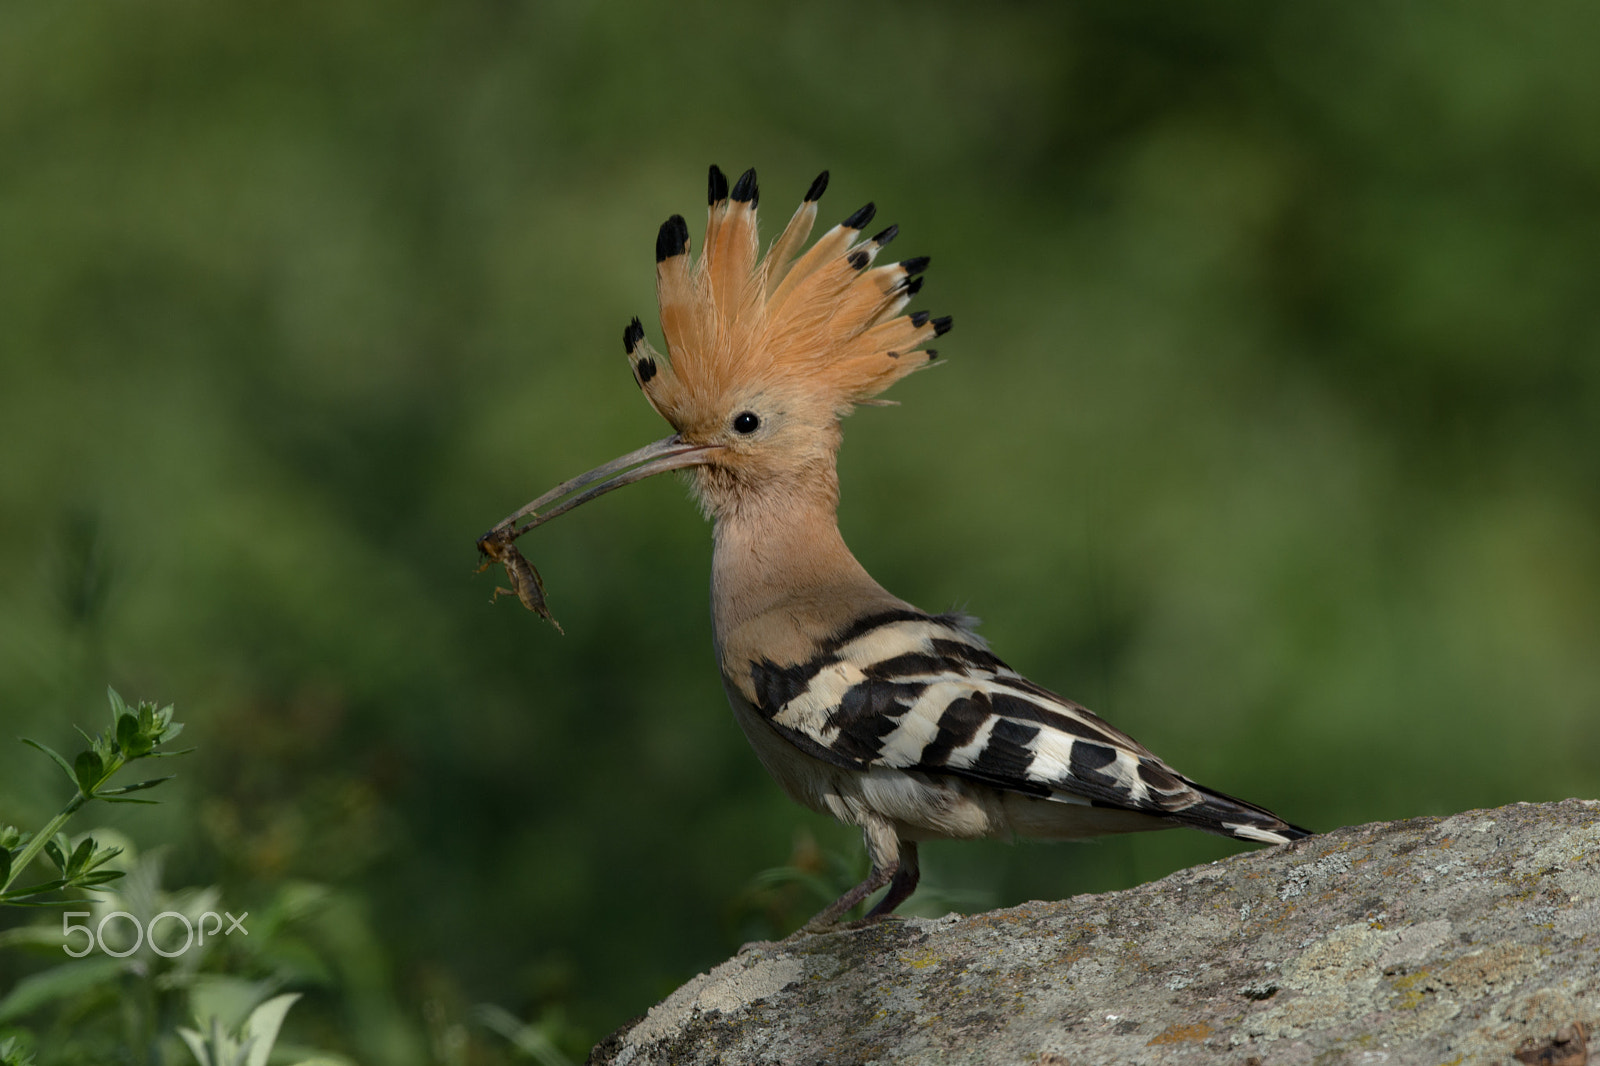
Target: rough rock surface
[{"x": 1460, "y": 940}]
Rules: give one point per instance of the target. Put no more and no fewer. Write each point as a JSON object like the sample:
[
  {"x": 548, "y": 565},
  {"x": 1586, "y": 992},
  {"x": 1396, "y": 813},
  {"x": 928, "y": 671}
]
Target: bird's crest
[{"x": 828, "y": 320}]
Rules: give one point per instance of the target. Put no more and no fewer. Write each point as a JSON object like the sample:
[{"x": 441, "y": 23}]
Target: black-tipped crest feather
[
  {"x": 673, "y": 238},
  {"x": 861, "y": 217}
]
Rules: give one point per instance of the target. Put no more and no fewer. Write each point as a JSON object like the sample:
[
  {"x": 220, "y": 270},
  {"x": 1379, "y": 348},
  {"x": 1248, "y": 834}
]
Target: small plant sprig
[
  {"x": 14, "y": 1053},
  {"x": 252, "y": 1044},
  {"x": 135, "y": 733}
]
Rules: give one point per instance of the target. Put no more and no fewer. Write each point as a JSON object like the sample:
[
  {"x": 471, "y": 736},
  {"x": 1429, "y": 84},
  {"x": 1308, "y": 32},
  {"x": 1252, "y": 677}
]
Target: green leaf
[
  {"x": 25, "y": 901},
  {"x": 118, "y": 708},
  {"x": 39, "y": 889},
  {"x": 88, "y": 769},
  {"x": 128, "y": 732},
  {"x": 196, "y": 1043},
  {"x": 14, "y": 1053},
  {"x": 98, "y": 877},
  {"x": 80, "y": 856},
  {"x": 527, "y": 1038},
  {"x": 5, "y": 865},
  {"x": 128, "y": 799},
  {"x": 66, "y": 767},
  {"x": 124, "y": 789},
  {"x": 102, "y": 856},
  {"x": 57, "y": 854},
  {"x": 263, "y": 1025},
  {"x": 37, "y": 990}
]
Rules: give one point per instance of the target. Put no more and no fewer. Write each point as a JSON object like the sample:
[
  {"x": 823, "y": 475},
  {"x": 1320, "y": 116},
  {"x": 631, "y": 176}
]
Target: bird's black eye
[{"x": 746, "y": 422}]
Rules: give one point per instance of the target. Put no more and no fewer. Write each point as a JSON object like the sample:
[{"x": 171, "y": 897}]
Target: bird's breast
[{"x": 805, "y": 779}]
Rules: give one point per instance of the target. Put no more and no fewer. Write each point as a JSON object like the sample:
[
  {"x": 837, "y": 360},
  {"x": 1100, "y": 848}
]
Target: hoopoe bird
[{"x": 862, "y": 706}]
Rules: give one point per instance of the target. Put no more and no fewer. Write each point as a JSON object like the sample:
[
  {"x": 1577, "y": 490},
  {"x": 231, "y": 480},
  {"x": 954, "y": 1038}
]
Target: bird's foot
[{"x": 867, "y": 922}]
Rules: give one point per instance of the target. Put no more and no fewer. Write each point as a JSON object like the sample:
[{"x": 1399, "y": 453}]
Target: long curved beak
[{"x": 669, "y": 453}]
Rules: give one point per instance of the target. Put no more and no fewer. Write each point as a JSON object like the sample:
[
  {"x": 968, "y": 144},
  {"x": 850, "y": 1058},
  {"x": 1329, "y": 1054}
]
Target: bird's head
[{"x": 765, "y": 354}]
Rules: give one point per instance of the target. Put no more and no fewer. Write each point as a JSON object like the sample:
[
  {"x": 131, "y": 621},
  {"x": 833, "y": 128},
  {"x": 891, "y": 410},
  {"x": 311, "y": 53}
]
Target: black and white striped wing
[{"x": 917, "y": 692}]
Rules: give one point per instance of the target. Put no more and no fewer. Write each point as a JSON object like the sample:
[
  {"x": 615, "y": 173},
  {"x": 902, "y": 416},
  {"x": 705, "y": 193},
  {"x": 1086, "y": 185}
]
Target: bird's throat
[{"x": 785, "y": 571}]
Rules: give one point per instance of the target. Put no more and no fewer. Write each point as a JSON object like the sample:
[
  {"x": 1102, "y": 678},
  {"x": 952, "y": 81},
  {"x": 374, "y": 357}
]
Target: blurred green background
[{"x": 1270, "y": 429}]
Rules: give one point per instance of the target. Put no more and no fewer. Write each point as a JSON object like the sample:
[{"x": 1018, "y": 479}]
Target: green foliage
[
  {"x": 536, "y": 1041},
  {"x": 14, "y": 1053},
  {"x": 134, "y": 733},
  {"x": 253, "y": 1042},
  {"x": 88, "y": 1009},
  {"x": 125, "y": 996}
]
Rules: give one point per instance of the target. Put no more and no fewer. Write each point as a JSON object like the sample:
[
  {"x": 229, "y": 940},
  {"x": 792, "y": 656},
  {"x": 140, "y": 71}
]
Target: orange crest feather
[{"x": 831, "y": 321}]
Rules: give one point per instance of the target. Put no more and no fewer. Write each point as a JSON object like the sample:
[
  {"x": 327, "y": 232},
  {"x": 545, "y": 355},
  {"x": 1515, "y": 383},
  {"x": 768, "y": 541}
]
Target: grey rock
[{"x": 1433, "y": 941}]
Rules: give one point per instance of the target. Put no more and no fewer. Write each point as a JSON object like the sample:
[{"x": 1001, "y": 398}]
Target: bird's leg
[
  {"x": 884, "y": 850},
  {"x": 831, "y": 914},
  {"x": 904, "y": 883}
]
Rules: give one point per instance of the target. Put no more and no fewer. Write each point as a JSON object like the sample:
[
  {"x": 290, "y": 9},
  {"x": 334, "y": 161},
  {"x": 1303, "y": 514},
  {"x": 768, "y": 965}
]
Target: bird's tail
[{"x": 1228, "y": 816}]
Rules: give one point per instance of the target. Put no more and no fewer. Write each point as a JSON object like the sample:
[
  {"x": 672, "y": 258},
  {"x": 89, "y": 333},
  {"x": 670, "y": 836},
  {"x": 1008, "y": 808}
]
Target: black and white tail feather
[{"x": 908, "y": 691}]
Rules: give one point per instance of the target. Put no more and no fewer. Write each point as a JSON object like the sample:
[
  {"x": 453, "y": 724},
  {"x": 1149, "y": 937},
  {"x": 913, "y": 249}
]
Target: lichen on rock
[{"x": 1462, "y": 940}]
